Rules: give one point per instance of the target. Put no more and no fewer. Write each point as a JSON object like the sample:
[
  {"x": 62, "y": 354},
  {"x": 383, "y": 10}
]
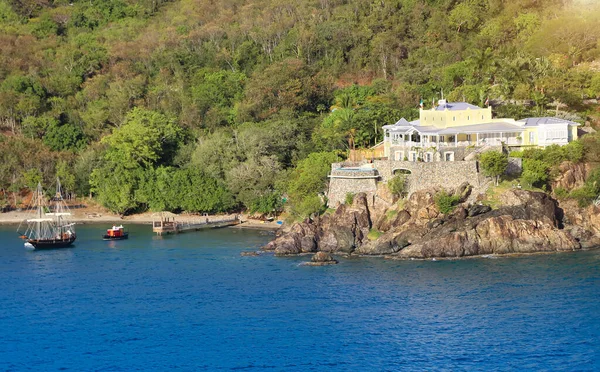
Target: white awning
[{"x": 40, "y": 220}]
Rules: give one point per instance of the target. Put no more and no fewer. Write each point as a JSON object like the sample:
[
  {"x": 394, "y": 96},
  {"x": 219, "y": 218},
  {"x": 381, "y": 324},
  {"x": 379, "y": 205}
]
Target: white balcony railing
[{"x": 512, "y": 141}]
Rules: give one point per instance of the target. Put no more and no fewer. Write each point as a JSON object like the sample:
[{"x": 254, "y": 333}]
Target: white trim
[
  {"x": 428, "y": 157},
  {"x": 411, "y": 157}
]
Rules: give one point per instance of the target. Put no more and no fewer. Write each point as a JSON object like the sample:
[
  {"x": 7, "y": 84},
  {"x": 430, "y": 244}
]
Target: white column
[
  {"x": 456, "y": 140},
  {"x": 477, "y": 140}
]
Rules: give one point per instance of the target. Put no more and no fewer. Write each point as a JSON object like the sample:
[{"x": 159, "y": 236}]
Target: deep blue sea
[{"x": 191, "y": 302}]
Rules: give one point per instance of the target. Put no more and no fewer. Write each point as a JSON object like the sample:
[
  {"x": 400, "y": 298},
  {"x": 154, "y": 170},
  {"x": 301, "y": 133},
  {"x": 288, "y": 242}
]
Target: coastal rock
[
  {"x": 250, "y": 253},
  {"x": 496, "y": 235},
  {"x": 393, "y": 240},
  {"x": 381, "y": 246},
  {"x": 586, "y": 238},
  {"x": 530, "y": 205},
  {"x": 321, "y": 259},
  {"x": 477, "y": 209},
  {"x": 463, "y": 191},
  {"x": 583, "y": 223},
  {"x": 571, "y": 176},
  {"x": 392, "y": 219},
  {"x": 347, "y": 228},
  {"x": 301, "y": 238},
  {"x": 527, "y": 222},
  {"x": 419, "y": 200},
  {"x": 504, "y": 234}
]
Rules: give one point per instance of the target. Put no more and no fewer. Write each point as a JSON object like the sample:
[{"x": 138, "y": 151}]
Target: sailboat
[{"x": 49, "y": 228}]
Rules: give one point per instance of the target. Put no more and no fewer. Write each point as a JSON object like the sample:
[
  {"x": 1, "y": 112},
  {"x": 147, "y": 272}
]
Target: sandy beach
[{"x": 95, "y": 214}]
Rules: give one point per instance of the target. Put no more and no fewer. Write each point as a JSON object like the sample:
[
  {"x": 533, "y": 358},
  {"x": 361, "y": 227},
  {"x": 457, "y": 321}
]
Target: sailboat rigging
[{"x": 49, "y": 228}]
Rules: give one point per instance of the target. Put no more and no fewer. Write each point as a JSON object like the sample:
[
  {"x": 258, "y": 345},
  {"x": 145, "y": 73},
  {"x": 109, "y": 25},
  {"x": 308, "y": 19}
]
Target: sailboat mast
[
  {"x": 58, "y": 206},
  {"x": 40, "y": 210}
]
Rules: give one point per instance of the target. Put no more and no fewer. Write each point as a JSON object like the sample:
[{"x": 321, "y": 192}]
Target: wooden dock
[{"x": 166, "y": 223}]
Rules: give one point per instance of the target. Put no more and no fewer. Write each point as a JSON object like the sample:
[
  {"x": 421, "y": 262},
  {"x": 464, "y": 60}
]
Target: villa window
[
  {"x": 481, "y": 117},
  {"x": 468, "y": 137},
  {"x": 428, "y": 157},
  {"x": 449, "y": 156},
  {"x": 468, "y": 117},
  {"x": 454, "y": 118},
  {"x": 442, "y": 138},
  {"x": 412, "y": 155},
  {"x": 399, "y": 155}
]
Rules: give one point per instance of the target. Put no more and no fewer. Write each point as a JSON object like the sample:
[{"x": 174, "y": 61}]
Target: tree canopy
[{"x": 241, "y": 93}]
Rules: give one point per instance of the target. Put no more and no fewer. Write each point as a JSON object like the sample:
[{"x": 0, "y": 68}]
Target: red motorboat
[{"x": 115, "y": 233}]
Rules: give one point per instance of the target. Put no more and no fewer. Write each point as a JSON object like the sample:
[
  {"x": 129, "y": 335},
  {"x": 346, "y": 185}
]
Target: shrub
[
  {"x": 584, "y": 195},
  {"x": 553, "y": 155},
  {"x": 561, "y": 193},
  {"x": 574, "y": 151},
  {"x": 397, "y": 185},
  {"x": 516, "y": 154},
  {"x": 374, "y": 234},
  {"x": 446, "y": 202},
  {"x": 349, "y": 198},
  {"x": 535, "y": 172},
  {"x": 493, "y": 164},
  {"x": 593, "y": 181},
  {"x": 307, "y": 180},
  {"x": 591, "y": 146}
]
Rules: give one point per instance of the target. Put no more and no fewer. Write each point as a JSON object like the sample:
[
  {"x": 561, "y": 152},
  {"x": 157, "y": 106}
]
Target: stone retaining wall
[
  {"x": 422, "y": 175},
  {"x": 340, "y": 187}
]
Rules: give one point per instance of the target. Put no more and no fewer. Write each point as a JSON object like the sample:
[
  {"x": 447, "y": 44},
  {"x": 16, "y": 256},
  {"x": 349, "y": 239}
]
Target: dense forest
[{"x": 210, "y": 106}]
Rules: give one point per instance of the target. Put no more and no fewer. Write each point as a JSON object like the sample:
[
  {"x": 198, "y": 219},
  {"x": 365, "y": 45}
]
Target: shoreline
[{"x": 85, "y": 217}]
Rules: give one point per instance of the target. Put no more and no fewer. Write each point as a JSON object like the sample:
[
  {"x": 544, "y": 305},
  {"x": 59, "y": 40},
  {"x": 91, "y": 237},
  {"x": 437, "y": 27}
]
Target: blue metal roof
[
  {"x": 534, "y": 122},
  {"x": 456, "y": 106}
]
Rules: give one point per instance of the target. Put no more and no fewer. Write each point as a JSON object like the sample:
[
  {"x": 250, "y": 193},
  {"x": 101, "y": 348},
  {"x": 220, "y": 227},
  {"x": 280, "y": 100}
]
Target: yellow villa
[{"x": 452, "y": 130}]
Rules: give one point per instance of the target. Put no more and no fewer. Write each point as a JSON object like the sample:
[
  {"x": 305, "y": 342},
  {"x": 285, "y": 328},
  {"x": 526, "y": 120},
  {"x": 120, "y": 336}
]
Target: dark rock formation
[
  {"x": 321, "y": 259},
  {"x": 250, "y": 253},
  {"x": 477, "y": 209},
  {"x": 583, "y": 223},
  {"x": 527, "y": 222}
]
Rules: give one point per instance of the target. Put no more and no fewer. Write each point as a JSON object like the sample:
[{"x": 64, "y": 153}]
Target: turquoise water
[{"x": 191, "y": 302}]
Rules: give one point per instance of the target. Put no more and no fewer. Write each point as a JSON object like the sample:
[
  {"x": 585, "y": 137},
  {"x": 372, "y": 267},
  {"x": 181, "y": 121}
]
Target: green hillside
[{"x": 208, "y": 106}]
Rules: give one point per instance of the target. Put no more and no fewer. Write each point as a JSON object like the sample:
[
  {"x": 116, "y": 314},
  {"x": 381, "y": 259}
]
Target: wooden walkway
[{"x": 168, "y": 225}]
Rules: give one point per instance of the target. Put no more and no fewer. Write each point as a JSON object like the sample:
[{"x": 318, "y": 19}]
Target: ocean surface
[{"x": 191, "y": 302}]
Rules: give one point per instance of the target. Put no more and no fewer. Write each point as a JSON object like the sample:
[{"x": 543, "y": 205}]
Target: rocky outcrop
[
  {"x": 582, "y": 223},
  {"x": 340, "y": 232},
  {"x": 302, "y": 238},
  {"x": 527, "y": 222},
  {"x": 571, "y": 176},
  {"x": 250, "y": 253},
  {"x": 321, "y": 259}
]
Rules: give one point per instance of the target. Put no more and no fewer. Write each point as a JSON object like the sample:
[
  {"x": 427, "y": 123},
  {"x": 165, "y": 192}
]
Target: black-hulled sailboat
[{"x": 49, "y": 228}]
